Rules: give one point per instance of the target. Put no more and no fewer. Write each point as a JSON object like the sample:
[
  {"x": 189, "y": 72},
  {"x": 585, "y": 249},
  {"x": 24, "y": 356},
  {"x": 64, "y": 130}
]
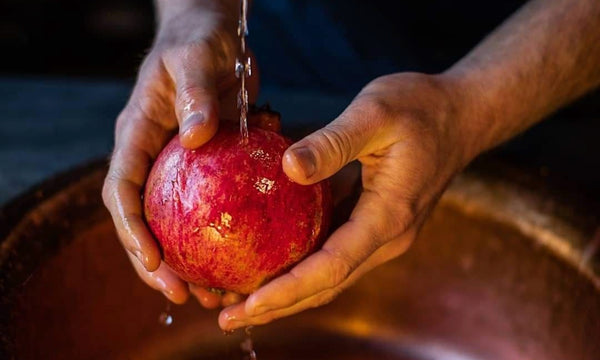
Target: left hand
[
  {"x": 403, "y": 129},
  {"x": 185, "y": 82}
]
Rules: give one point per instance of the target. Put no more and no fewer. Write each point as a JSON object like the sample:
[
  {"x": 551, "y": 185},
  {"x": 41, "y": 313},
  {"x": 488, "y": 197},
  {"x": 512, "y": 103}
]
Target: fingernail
[
  {"x": 191, "y": 121},
  {"x": 305, "y": 159}
]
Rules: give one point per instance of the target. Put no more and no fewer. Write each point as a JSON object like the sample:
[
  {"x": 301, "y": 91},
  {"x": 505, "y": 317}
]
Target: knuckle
[
  {"x": 128, "y": 248},
  {"x": 199, "y": 47},
  {"x": 188, "y": 94},
  {"x": 145, "y": 275},
  {"x": 334, "y": 140},
  {"x": 152, "y": 107},
  {"x": 297, "y": 279},
  {"x": 404, "y": 217},
  {"x": 122, "y": 119},
  {"x": 106, "y": 193},
  {"x": 417, "y": 123},
  {"x": 339, "y": 267},
  {"x": 190, "y": 53},
  {"x": 172, "y": 54},
  {"x": 113, "y": 187},
  {"x": 145, "y": 112},
  {"x": 375, "y": 237},
  {"x": 187, "y": 50},
  {"x": 378, "y": 109},
  {"x": 376, "y": 112},
  {"x": 395, "y": 214},
  {"x": 126, "y": 230},
  {"x": 150, "y": 66},
  {"x": 109, "y": 186}
]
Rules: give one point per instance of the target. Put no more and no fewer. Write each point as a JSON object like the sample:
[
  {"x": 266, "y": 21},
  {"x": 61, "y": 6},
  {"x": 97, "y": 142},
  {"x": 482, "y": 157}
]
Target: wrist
[
  {"x": 166, "y": 10},
  {"x": 189, "y": 20},
  {"x": 471, "y": 115}
]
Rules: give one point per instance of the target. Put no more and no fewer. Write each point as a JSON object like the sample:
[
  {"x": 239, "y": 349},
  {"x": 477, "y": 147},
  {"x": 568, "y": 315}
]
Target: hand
[
  {"x": 403, "y": 129},
  {"x": 185, "y": 82}
]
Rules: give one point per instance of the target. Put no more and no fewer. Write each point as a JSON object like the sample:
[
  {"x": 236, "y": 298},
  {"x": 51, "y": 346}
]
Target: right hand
[{"x": 187, "y": 82}]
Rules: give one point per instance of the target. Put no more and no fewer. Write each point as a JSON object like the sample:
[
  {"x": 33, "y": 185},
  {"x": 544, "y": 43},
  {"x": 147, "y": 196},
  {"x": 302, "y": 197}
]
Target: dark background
[{"x": 67, "y": 68}]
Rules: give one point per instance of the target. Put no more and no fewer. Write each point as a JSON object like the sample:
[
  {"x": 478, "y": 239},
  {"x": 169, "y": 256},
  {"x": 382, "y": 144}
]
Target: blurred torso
[{"x": 340, "y": 45}]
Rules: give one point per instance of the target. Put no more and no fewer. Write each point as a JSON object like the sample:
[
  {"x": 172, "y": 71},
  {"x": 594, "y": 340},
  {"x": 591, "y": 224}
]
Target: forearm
[
  {"x": 186, "y": 21},
  {"x": 543, "y": 57},
  {"x": 166, "y": 9}
]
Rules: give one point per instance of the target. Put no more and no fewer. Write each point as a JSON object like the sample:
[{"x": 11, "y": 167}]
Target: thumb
[
  {"x": 196, "y": 100},
  {"x": 324, "y": 152}
]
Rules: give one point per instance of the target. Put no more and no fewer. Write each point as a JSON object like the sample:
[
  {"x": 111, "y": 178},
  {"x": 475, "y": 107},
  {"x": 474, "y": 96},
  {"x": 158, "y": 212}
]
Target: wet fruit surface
[{"x": 227, "y": 216}]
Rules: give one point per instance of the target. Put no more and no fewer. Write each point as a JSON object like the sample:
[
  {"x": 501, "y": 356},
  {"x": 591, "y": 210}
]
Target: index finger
[
  {"x": 139, "y": 141},
  {"x": 347, "y": 248}
]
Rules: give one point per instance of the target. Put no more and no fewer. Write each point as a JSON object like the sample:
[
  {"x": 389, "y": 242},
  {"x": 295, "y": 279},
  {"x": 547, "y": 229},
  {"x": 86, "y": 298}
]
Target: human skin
[{"x": 411, "y": 133}]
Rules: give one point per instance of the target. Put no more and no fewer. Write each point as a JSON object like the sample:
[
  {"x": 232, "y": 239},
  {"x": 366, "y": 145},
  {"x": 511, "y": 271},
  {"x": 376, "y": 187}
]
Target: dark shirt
[{"x": 340, "y": 45}]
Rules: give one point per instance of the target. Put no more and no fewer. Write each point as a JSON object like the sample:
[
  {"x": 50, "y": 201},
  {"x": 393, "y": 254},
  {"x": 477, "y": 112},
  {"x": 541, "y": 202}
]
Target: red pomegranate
[{"x": 226, "y": 216}]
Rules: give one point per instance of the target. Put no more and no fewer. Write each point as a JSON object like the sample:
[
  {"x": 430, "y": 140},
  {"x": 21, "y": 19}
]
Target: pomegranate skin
[{"x": 226, "y": 216}]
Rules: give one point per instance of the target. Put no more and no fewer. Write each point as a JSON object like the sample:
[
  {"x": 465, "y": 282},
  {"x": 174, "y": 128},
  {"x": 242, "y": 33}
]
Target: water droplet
[{"x": 165, "y": 318}]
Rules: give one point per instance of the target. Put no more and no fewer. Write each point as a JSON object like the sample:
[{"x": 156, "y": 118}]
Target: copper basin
[{"x": 500, "y": 271}]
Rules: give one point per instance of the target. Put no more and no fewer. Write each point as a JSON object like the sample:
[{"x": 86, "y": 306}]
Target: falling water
[
  {"x": 165, "y": 318},
  {"x": 247, "y": 346}
]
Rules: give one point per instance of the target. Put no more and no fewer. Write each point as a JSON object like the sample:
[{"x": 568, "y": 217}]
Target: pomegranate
[{"x": 226, "y": 216}]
